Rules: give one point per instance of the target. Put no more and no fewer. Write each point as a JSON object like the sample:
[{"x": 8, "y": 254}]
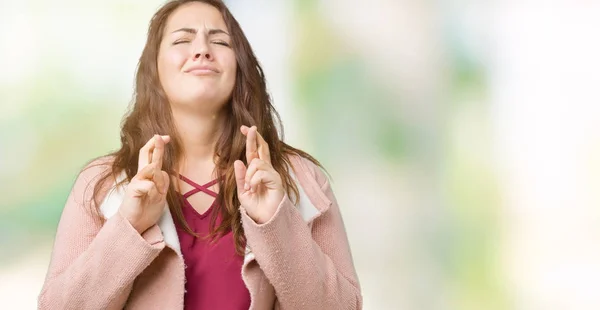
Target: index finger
[
  {"x": 146, "y": 152},
  {"x": 159, "y": 150},
  {"x": 261, "y": 146},
  {"x": 144, "y": 155}
]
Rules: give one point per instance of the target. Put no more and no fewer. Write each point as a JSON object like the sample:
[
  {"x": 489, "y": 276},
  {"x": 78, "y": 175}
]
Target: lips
[{"x": 201, "y": 70}]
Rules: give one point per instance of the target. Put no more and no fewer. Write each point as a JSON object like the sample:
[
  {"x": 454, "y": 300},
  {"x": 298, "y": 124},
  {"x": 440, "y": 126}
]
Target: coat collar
[{"x": 312, "y": 202}]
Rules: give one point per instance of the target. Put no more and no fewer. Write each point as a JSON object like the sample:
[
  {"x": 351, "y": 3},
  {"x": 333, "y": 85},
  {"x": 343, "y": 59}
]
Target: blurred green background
[{"x": 463, "y": 137}]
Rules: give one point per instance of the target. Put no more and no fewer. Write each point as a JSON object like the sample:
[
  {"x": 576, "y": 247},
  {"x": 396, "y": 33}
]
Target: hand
[
  {"x": 145, "y": 197},
  {"x": 259, "y": 186}
]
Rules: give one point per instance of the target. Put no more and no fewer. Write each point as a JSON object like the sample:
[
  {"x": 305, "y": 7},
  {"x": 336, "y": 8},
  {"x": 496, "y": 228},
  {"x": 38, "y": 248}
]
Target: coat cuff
[
  {"x": 148, "y": 244},
  {"x": 271, "y": 234},
  {"x": 247, "y": 220}
]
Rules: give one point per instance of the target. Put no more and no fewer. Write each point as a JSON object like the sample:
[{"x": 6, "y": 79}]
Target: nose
[
  {"x": 199, "y": 56},
  {"x": 200, "y": 50}
]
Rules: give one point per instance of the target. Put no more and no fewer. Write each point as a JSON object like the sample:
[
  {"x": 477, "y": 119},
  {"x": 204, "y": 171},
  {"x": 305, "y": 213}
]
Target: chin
[{"x": 211, "y": 101}]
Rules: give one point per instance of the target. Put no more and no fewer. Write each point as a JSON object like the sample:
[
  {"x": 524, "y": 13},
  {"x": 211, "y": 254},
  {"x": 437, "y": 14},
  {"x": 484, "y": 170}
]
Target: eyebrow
[{"x": 194, "y": 31}]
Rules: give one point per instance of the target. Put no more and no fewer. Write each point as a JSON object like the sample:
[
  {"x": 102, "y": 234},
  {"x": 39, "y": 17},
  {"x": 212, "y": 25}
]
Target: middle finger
[
  {"x": 251, "y": 146},
  {"x": 144, "y": 156},
  {"x": 262, "y": 150}
]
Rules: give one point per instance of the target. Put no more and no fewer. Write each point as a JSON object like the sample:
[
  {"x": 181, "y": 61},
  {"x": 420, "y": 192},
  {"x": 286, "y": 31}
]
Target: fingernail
[{"x": 246, "y": 186}]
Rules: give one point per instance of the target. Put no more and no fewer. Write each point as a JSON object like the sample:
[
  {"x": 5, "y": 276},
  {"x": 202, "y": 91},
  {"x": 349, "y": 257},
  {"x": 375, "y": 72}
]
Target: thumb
[
  {"x": 240, "y": 175},
  {"x": 161, "y": 179},
  {"x": 147, "y": 173},
  {"x": 165, "y": 184}
]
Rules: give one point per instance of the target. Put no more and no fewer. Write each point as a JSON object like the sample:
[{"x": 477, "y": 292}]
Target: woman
[{"x": 139, "y": 232}]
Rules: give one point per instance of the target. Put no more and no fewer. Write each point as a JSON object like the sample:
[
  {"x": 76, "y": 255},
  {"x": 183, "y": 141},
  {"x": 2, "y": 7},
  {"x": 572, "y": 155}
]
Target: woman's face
[{"x": 196, "y": 62}]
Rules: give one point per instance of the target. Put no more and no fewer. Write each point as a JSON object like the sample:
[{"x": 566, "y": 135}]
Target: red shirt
[{"x": 213, "y": 270}]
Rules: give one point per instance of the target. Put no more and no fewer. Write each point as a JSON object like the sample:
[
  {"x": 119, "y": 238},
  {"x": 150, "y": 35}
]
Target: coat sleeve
[
  {"x": 310, "y": 268},
  {"x": 95, "y": 262}
]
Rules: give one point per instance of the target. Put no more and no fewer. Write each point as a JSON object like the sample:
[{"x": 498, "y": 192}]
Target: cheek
[
  {"x": 170, "y": 62},
  {"x": 177, "y": 59},
  {"x": 231, "y": 69}
]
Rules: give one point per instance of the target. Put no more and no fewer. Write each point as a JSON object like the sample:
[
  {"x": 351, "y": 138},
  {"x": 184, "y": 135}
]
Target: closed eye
[
  {"x": 221, "y": 43},
  {"x": 181, "y": 41}
]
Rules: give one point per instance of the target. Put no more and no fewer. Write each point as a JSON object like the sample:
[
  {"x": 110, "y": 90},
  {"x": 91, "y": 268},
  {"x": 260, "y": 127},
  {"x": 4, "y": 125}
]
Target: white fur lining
[
  {"x": 306, "y": 208},
  {"x": 114, "y": 198}
]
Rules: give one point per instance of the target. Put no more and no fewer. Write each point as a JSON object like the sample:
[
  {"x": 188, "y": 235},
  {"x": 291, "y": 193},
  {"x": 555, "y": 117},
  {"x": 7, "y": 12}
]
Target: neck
[{"x": 198, "y": 133}]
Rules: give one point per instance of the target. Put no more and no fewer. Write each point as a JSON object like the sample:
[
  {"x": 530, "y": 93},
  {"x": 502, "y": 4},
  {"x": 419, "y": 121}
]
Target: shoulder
[
  {"x": 97, "y": 168},
  {"x": 94, "y": 173},
  {"x": 310, "y": 167}
]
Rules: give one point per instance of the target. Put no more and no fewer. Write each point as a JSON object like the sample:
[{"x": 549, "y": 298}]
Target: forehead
[{"x": 195, "y": 15}]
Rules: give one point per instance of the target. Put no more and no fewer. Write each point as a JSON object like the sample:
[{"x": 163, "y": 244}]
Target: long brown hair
[{"x": 250, "y": 104}]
